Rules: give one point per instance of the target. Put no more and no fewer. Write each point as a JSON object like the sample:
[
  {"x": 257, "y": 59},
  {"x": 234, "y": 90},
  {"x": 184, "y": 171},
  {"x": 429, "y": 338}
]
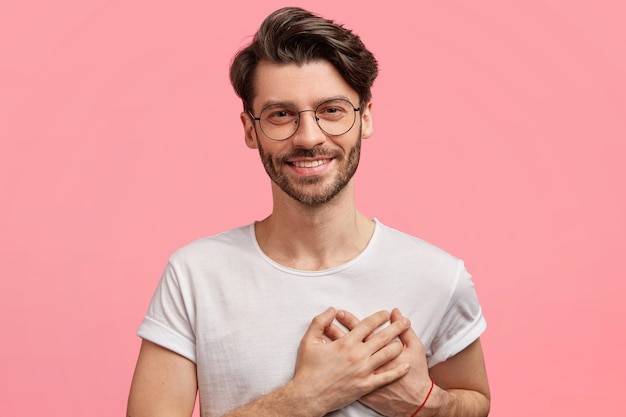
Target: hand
[
  {"x": 402, "y": 397},
  {"x": 335, "y": 373}
]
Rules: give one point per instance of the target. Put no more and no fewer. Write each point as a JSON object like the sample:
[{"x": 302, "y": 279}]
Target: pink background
[{"x": 500, "y": 130}]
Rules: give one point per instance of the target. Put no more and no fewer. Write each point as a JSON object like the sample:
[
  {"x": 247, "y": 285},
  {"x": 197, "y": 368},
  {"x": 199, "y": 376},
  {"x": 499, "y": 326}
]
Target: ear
[
  {"x": 248, "y": 129},
  {"x": 367, "y": 127}
]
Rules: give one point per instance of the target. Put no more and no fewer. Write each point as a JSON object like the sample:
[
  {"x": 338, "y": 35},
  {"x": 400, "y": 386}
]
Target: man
[{"x": 243, "y": 317}]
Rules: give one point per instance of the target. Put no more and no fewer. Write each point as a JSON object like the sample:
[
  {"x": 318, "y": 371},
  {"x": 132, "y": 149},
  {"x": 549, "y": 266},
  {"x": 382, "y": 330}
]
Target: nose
[{"x": 309, "y": 134}]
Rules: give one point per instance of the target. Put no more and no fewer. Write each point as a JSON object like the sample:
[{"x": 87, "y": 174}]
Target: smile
[{"x": 310, "y": 164}]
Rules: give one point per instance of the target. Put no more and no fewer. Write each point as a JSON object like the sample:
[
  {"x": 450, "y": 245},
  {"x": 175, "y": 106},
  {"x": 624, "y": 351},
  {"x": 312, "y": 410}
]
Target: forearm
[
  {"x": 455, "y": 403},
  {"x": 290, "y": 400}
]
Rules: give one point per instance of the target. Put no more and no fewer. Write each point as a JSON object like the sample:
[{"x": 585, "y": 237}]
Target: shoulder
[
  {"x": 228, "y": 243},
  {"x": 408, "y": 246}
]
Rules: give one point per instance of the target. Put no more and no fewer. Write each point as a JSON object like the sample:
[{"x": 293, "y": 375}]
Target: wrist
[
  {"x": 302, "y": 401},
  {"x": 425, "y": 400},
  {"x": 446, "y": 403},
  {"x": 435, "y": 403}
]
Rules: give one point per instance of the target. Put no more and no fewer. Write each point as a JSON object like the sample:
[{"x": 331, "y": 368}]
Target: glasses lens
[
  {"x": 279, "y": 121},
  {"x": 335, "y": 117}
]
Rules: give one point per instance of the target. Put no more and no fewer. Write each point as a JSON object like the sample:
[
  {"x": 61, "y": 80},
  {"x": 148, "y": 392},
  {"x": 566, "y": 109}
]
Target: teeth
[{"x": 310, "y": 164}]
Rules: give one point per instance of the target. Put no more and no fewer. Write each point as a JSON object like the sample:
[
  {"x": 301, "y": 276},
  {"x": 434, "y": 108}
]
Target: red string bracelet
[{"x": 432, "y": 384}]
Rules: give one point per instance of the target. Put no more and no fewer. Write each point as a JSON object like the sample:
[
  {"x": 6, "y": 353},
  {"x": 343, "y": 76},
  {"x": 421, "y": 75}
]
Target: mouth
[
  {"x": 309, "y": 167},
  {"x": 309, "y": 163}
]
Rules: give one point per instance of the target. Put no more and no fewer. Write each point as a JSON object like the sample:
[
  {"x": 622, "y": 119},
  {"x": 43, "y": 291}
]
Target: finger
[
  {"x": 387, "y": 377},
  {"x": 347, "y": 319},
  {"x": 395, "y": 314},
  {"x": 369, "y": 324},
  {"x": 387, "y": 334},
  {"x": 385, "y": 356},
  {"x": 409, "y": 337},
  {"x": 319, "y": 324},
  {"x": 334, "y": 332}
]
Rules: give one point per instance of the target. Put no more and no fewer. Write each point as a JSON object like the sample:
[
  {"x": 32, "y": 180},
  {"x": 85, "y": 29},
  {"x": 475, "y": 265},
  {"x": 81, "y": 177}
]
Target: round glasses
[{"x": 281, "y": 121}]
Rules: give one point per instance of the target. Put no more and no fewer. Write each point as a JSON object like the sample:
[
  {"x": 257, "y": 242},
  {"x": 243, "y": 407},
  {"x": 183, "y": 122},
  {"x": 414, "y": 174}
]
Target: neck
[{"x": 314, "y": 238}]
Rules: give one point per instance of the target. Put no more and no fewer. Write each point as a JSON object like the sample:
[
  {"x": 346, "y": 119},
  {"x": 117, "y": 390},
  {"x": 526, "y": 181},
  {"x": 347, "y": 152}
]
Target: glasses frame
[{"x": 297, "y": 121}]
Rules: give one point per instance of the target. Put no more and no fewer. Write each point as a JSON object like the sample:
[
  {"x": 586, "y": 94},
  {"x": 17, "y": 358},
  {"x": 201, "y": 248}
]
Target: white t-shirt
[{"x": 240, "y": 316}]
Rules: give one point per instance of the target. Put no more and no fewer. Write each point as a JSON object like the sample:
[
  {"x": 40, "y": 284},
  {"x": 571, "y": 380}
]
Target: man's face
[{"x": 311, "y": 166}]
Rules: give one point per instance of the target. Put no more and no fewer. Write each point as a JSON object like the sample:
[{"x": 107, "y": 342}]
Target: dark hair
[{"x": 295, "y": 35}]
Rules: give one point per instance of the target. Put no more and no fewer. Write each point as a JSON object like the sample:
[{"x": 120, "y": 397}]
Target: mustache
[{"x": 308, "y": 153}]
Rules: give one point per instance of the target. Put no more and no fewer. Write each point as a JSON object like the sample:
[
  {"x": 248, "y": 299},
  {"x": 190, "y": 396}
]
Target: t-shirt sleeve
[
  {"x": 169, "y": 320},
  {"x": 463, "y": 321}
]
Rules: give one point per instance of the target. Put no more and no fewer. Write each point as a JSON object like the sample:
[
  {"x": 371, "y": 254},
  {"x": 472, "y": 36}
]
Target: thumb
[{"x": 319, "y": 324}]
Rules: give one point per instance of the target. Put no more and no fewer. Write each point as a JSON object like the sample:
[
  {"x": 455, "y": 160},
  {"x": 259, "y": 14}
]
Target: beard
[{"x": 311, "y": 191}]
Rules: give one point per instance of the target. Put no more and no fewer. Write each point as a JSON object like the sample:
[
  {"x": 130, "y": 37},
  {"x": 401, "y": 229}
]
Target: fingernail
[{"x": 340, "y": 314}]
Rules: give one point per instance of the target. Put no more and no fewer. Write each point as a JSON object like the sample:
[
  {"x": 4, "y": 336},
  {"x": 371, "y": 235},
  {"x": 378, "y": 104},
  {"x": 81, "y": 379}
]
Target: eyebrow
[{"x": 292, "y": 104}]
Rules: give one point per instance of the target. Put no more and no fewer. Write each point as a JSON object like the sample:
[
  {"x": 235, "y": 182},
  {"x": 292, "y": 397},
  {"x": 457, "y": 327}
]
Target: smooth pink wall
[{"x": 500, "y": 136}]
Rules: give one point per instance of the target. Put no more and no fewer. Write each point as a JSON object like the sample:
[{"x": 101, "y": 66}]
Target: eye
[
  {"x": 333, "y": 110},
  {"x": 279, "y": 114}
]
